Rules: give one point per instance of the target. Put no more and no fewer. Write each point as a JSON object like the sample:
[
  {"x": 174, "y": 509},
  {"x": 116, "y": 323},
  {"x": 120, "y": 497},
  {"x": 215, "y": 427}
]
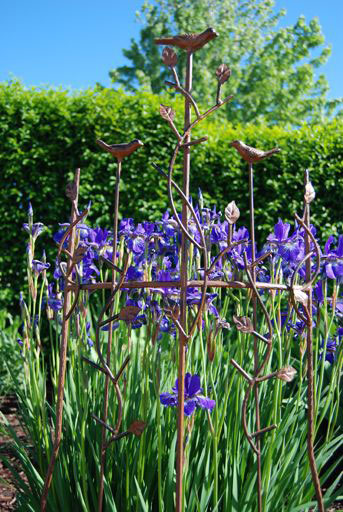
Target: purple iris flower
[
  {"x": 331, "y": 347},
  {"x": 83, "y": 231},
  {"x": 136, "y": 245},
  {"x": 55, "y": 304},
  {"x": 53, "y": 301},
  {"x": 218, "y": 234},
  {"x": 281, "y": 231},
  {"x": 153, "y": 307},
  {"x": 36, "y": 229},
  {"x": 89, "y": 339},
  {"x": 169, "y": 225},
  {"x": 333, "y": 259},
  {"x": 39, "y": 266},
  {"x": 167, "y": 326},
  {"x": 106, "y": 327},
  {"x": 193, "y": 396},
  {"x": 318, "y": 294},
  {"x": 98, "y": 239},
  {"x": 134, "y": 274},
  {"x": 292, "y": 250},
  {"x": 126, "y": 227}
]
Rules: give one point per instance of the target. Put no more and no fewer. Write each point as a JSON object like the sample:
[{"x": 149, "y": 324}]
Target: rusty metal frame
[{"x": 190, "y": 43}]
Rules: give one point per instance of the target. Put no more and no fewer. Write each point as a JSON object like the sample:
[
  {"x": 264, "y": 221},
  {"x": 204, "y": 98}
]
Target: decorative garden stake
[
  {"x": 72, "y": 192},
  {"x": 300, "y": 295},
  {"x": 308, "y": 198},
  {"x": 119, "y": 151}
]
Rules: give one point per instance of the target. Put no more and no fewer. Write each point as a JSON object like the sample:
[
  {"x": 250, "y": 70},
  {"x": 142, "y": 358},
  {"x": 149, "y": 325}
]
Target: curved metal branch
[
  {"x": 185, "y": 231},
  {"x": 102, "y": 313},
  {"x": 244, "y": 417},
  {"x": 224, "y": 251},
  {"x": 266, "y": 314},
  {"x": 186, "y": 94},
  {"x": 179, "y": 223},
  {"x": 77, "y": 290},
  {"x": 120, "y": 407},
  {"x": 291, "y": 287},
  {"x": 65, "y": 236},
  {"x": 317, "y": 251}
]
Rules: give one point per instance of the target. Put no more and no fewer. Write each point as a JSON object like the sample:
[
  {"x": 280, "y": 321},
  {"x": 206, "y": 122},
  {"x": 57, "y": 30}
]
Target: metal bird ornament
[
  {"x": 119, "y": 151},
  {"x": 252, "y": 155},
  {"x": 189, "y": 42}
]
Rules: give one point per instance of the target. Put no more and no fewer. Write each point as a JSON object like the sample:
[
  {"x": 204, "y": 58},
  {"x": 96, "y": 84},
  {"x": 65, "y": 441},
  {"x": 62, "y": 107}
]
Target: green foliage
[
  {"x": 10, "y": 358},
  {"x": 274, "y": 76},
  {"x": 140, "y": 472},
  {"x": 46, "y": 134}
]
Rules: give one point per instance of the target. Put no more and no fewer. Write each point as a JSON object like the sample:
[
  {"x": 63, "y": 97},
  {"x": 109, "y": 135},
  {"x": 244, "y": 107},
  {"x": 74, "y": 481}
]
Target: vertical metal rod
[
  {"x": 183, "y": 295},
  {"x": 309, "y": 349},
  {"x": 110, "y": 338},
  {"x": 63, "y": 353},
  {"x": 256, "y": 365}
]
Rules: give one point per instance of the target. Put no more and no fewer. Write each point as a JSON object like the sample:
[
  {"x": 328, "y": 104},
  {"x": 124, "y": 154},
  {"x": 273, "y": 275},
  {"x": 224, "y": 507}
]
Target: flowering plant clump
[
  {"x": 193, "y": 396},
  {"x": 145, "y": 324},
  {"x": 155, "y": 248}
]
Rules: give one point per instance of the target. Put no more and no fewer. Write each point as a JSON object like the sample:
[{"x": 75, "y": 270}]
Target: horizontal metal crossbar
[{"x": 177, "y": 284}]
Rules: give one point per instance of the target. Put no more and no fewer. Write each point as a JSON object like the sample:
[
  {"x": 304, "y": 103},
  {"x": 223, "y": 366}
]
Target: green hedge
[{"x": 46, "y": 134}]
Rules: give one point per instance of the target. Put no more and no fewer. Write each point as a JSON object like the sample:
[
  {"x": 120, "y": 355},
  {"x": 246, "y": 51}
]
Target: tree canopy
[{"x": 274, "y": 70}]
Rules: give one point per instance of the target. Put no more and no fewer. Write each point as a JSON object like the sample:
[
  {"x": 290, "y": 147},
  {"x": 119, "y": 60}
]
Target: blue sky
[{"x": 74, "y": 43}]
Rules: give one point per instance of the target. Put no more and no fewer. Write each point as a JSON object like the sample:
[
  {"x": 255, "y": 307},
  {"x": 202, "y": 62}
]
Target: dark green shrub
[{"x": 46, "y": 134}]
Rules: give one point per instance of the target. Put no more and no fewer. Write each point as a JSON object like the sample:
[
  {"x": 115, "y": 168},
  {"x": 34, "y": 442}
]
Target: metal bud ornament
[
  {"x": 243, "y": 323},
  {"x": 309, "y": 193},
  {"x": 167, "y": 113},
  {"x": 232, "y": 213},
  {"x": 169, "y": 57},
  {"x": 223, "y": 73}
]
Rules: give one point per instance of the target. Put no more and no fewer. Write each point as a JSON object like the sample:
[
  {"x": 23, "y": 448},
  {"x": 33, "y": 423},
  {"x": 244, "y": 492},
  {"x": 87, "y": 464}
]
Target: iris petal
[
  {"x": 189, "y": 408},
  {"x": 194, "y": 385}
]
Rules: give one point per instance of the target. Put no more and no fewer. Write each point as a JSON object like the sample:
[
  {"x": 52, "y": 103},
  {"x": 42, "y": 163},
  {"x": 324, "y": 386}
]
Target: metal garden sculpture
[{"x": 300, "y": 296}]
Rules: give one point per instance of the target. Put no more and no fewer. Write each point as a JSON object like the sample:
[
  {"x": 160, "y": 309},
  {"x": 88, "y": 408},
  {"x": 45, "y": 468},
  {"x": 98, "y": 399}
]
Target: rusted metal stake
[
  {"x": 309, "y": 350},
  {"x": 183, "y": 295},
  {"x": 110, "y": 338},
  {"x": 63, "y": 352},
  {"x": 256, "y": 365}
]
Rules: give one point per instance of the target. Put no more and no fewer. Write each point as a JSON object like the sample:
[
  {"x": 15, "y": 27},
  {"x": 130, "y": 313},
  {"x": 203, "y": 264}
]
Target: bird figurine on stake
[
  {"x": 119, "y": 151},
  {"x": 189, "y": 42},
  {"x": 252, "y": 155}
]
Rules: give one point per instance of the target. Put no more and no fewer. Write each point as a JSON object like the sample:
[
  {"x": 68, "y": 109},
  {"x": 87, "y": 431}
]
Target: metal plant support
[{"x": 300, "y": 296}]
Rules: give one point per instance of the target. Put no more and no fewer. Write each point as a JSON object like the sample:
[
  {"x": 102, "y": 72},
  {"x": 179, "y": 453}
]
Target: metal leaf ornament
[
  {"x": 286, "y": 374},
  {"x": 301, "y": 297},
  {"x": 169, "y": 57},
  {"x": 232, "y": 213},
  {"x": 243, "y": 323},
  {"x": 129, "y": 313},
  {"x": 71, "y": 191},
  {"x": 167, "y": 113},
  {"x": 223, "y": 73},
  {"x": 173, "y": 313},
  {"x": 137, "y": 427},
  {"x": 79, "y": 254}
]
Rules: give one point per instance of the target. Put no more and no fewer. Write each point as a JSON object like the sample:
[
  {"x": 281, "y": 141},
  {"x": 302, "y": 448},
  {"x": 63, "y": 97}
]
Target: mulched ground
[{"x": 8, "y": 407}]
